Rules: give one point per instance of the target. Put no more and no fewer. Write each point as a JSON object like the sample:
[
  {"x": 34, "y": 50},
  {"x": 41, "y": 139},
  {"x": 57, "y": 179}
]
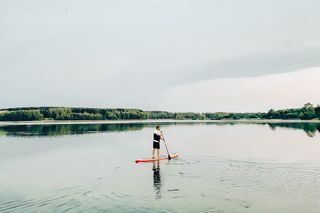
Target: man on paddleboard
[{"x": 157, "y": 136}]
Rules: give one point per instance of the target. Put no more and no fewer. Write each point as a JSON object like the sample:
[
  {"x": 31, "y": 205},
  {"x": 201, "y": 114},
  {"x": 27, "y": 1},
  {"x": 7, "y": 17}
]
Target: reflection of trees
[
  {"x": 309, "y": 128},
  {"x": 73, "y": 129},
  {"x": 2, "y": 132},
  {"x": 66, "y": 129}
]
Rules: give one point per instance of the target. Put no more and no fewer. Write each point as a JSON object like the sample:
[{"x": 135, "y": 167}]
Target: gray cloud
[{"x": 257, "y": 64}]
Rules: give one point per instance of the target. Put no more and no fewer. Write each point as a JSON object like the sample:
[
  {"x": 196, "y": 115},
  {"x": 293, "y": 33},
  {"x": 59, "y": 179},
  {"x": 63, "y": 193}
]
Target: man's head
[{"x": 158, "y": 128}]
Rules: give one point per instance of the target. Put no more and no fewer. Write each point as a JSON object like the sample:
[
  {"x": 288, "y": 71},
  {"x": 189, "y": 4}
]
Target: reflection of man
[{"x": 156, "y": 179}]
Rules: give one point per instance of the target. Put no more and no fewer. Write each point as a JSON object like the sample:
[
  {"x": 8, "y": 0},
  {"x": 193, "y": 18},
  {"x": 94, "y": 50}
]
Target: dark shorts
[{"x": 156, "y": 145}]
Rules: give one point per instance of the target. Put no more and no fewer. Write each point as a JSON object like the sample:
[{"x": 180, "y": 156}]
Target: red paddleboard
[{"x": 175, "y": 155}]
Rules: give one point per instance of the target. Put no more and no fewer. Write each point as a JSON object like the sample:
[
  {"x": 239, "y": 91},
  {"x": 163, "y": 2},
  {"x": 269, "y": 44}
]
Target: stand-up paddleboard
[{"x": 175, "y": 155}]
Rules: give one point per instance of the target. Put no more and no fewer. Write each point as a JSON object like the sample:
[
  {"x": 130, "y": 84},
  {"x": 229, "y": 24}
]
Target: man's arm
[{"x": 161, "y": 135}]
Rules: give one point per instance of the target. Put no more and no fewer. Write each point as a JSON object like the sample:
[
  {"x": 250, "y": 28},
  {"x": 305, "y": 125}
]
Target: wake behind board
[{"x": 175, "y": 155}]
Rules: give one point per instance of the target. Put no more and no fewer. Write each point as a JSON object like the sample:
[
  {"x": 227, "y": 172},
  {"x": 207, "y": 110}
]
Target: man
[{"x": 157, "y": 136}]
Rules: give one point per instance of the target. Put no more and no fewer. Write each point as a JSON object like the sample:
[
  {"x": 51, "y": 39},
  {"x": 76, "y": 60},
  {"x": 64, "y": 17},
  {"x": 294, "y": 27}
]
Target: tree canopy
[{"x": 307, "y": 112}]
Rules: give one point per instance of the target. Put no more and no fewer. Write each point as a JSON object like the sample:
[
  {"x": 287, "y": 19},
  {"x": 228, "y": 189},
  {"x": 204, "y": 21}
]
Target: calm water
[{"x": 223, "y": 167}]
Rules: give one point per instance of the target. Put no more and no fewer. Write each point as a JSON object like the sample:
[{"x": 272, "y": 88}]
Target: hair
[{"x": 157, "y": 127}]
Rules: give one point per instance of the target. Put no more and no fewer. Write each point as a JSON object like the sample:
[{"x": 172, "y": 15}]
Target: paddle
[{"x": 169, "y": 158}]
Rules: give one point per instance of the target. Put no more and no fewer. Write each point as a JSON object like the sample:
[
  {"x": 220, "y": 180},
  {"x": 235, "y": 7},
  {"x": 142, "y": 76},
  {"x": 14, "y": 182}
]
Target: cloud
[
  {"x": 128, "y": 53},
  {"x": 256, "y": 64},
  {"x": 247, "y": 94}
]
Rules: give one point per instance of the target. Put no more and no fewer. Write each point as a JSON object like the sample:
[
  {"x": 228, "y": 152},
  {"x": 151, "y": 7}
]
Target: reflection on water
[
  {"x": 65, "y": 129},
  {"x": 156, "y": 179},
  {"x": 311, "y": 128},
  {"x": 224, "y": 167}
]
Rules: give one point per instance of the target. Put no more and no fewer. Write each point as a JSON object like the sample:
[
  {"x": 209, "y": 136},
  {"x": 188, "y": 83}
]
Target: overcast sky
[{"x": 215, "y": 55}]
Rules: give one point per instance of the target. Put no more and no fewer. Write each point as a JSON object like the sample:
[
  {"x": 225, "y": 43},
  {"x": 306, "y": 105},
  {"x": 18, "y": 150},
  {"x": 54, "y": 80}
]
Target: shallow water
[{"x": 223, "y": 167}]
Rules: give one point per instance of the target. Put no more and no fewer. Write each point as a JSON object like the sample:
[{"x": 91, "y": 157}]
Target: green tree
[{"x": 317, "y": 111}]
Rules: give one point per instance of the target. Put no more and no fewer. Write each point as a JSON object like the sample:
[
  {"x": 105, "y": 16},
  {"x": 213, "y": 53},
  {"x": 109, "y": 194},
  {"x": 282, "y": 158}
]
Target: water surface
[{"x": 223, "y": 167}]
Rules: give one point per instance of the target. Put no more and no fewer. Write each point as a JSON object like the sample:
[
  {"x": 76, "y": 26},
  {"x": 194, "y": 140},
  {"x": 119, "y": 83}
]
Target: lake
[{"x": 222, "y": 167}]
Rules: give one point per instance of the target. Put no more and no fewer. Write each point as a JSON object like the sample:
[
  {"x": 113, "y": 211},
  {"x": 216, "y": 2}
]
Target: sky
[{"x": 175, "y": 55}]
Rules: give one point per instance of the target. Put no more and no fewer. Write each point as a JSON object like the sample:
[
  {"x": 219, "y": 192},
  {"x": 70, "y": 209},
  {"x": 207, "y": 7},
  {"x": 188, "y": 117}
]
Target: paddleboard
[{"x": 175, "y": 155}]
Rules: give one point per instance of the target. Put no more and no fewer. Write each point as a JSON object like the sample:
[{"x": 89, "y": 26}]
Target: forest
[{"x": 307, "y": 112}]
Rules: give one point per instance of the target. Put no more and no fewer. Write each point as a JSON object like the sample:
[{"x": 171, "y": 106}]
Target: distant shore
[
  {"x": 115, "y": 115},
  {"x": 50, "y": 122}
]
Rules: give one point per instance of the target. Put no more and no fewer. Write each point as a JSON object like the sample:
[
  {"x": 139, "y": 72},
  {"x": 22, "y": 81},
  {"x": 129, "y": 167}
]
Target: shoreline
[{"x": 59, "y": 122}]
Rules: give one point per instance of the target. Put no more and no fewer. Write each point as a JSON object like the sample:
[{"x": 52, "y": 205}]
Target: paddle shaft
[{"x": 165, "y": 144}]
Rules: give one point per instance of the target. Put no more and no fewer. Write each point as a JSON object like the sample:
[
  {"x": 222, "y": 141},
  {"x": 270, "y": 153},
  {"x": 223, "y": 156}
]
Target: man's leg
[
  {"x": 153, "y": 151},
  {"x": 158, "y": 150}
]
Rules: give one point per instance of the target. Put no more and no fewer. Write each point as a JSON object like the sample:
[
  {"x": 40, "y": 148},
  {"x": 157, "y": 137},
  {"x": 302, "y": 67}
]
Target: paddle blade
[{"x": 169, "y": 157}]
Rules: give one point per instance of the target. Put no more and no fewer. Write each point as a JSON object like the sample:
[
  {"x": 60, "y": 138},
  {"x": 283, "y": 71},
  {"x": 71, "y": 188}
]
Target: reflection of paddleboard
[{"x": 175, "y": 155}]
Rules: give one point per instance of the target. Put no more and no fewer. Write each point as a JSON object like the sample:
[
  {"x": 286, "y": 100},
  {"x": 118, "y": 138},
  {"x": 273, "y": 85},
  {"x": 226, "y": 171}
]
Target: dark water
[{"x": 223, "y": 167}]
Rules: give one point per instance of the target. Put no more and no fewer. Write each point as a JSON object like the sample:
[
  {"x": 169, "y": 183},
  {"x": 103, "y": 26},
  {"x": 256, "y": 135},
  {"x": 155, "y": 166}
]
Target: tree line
[{"x": 307, "y": 112}]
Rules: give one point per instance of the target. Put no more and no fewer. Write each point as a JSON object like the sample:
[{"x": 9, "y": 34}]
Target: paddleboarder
[{"x": 157, "y": 136}]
